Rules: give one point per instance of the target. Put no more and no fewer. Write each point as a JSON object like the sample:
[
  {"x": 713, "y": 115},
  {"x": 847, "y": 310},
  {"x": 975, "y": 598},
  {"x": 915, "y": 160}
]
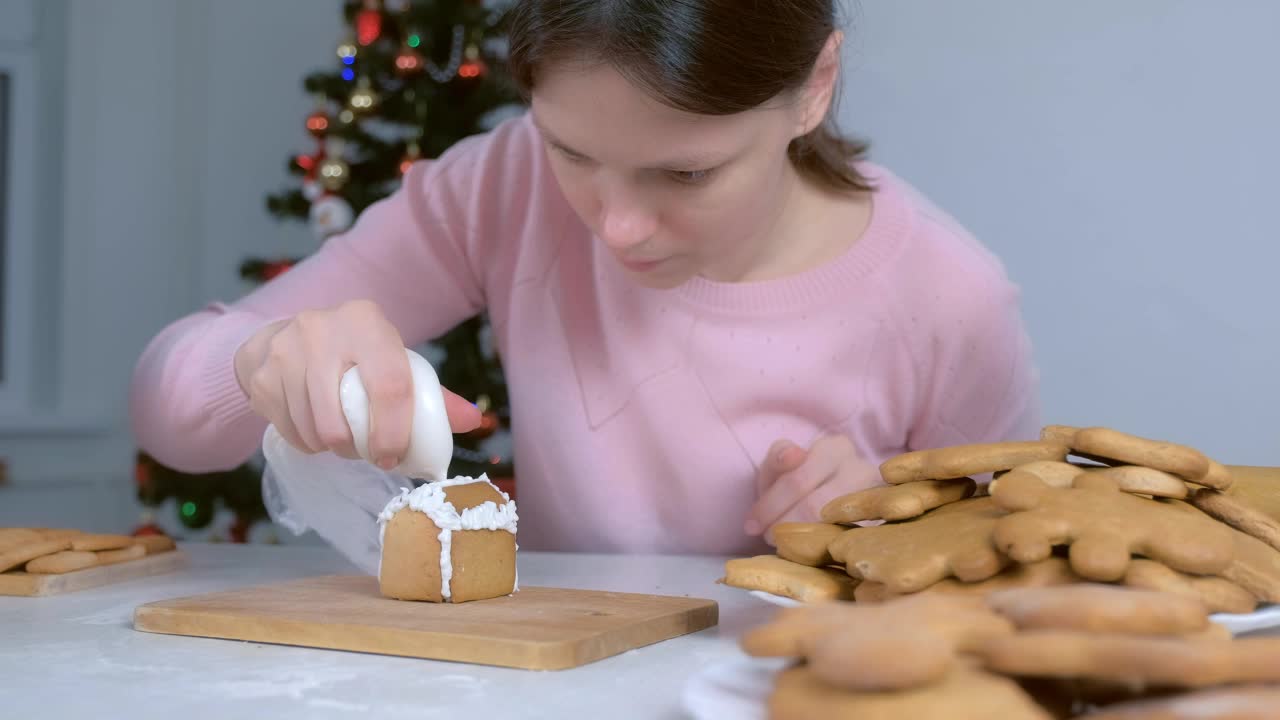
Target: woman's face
[{"x": 672, "y": 194}]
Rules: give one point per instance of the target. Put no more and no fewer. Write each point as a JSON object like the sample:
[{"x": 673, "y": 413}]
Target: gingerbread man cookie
[
  {"x": 1104, "y": 528},
  {"x": 1096, "y": 608},
  {"x": 805, "y": 543},
  {"x": 1218, "y": 594},
  {"x": 902, "y": 644},
  {"x": 896, "y": 502},
  {"x": 1124, "y": 448},
  {"x": 799, "y": 694},
  {"x": 1050, "y": 572},
  {"x": 1239, "y": 514},
  {"x": 953, "y": 540},
  {"x": 1154, "y": 660},
  {"x": 1129, "y": 478},
  {"x": 960, "y": 461},
  {"x": 772, "y": 574}
]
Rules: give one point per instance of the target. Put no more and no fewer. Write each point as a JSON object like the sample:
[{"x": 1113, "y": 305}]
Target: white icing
[
  {"x": 430, "y": 500},
  {"x": 430, "y": 439}
]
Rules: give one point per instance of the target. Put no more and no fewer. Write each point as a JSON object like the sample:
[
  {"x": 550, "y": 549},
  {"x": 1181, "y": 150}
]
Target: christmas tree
[{"x": 410, "y": 79}]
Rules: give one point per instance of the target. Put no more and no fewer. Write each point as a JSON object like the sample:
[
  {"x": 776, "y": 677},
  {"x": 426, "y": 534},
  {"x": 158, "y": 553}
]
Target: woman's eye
[
  {"x": 690, "y": 177},
  {"x": 570, "y": 155}
]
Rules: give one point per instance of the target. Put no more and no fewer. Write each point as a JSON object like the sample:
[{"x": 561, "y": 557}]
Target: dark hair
[{"x": 710, "y": 57}]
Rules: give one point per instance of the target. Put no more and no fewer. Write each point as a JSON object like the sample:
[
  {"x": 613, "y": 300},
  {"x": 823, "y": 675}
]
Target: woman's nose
[{"x": 625, "y": 221}]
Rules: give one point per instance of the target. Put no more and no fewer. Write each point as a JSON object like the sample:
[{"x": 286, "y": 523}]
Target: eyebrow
[{"x": 695, "y": 160}]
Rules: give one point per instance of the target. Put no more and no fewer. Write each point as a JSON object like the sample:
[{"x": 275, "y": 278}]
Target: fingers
[
  {"x": 326, "y": 406},
  {"x": 785, "y": 456},
  {"x": 265, "y": 391},
  {"x": 463, "y": 415},
  {"x": 292, "y": 376},
  {"x": 833, "y": 468},
  {"x": 298, "y": 401},
  {"x": 782, "y": 456},
  {"x": 809, "y": 508},
  {"x": 793, "y": 485},
  {"x": 388, "y": 382}
]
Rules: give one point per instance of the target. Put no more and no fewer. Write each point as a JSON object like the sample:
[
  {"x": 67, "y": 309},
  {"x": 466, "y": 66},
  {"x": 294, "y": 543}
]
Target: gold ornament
[
  {"x": 348, "y": 48},
  {"x": 363, "y": 98},
  {"x": 334, "y": 173}
]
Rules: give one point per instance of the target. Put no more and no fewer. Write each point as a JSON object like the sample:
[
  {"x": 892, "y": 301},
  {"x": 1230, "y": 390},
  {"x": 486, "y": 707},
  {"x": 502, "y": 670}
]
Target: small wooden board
[
  {"x": 536, "y": 628},
  {"x": 33, "y": 585}
]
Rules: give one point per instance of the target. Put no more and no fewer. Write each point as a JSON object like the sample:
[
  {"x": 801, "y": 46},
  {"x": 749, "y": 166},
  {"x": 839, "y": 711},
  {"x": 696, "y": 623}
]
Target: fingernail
[
  {"x": 752, "y": 527},
  {"x": 387, "y": 463}
]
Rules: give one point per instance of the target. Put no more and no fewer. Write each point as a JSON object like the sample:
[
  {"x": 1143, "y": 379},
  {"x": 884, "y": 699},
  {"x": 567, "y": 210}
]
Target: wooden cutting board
[
  {"x": 32, "y": 585},
  {"x": 537, "y": 628}
]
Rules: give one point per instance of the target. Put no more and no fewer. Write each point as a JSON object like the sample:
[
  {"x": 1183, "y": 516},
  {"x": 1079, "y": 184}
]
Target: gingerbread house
[{"x": 449, "y": 541}]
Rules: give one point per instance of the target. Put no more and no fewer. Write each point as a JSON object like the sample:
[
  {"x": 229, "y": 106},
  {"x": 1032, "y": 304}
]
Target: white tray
[{"x": 735, "y": 689}]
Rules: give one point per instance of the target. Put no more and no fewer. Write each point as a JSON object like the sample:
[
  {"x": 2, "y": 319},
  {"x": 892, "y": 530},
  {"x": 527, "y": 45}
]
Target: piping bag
[{"x": 340, "y": 498}]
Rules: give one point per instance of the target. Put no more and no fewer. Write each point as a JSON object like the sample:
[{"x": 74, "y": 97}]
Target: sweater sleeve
[
  {"x": 980, "y": 383},
  {"x": 425, "y": 254}
]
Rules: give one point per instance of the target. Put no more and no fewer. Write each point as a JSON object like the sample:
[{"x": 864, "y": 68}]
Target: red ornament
[
  {"x": 306, "y": 162},
  {"x": 412, "y": 154},
  {"x": 142, "y": 473},
  {"x": 310, "y": 164},
  {"x": 239, "y": 530},
  {"x": 318, "y": 124},
  {"x": 148, "y": 529},
  {"x": 368, "y": 24},
  {"x": 474, "y": 67},
  {"x": 272, "y": 270},
  {"x": 408, "y": 61}
]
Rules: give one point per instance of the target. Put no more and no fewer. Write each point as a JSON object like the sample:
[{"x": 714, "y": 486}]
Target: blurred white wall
[
  {"x": 1122, "y": 158},
  {"x": 164, "y": 126}
]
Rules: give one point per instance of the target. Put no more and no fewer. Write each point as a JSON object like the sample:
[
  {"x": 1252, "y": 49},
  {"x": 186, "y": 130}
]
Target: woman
[{"x": 714, "y": 313}]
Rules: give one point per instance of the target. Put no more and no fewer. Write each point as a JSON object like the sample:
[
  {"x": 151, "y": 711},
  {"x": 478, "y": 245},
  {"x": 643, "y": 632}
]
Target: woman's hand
[
  {"x": 290, "y": 371},
  {"x": 795, "y": 483}
]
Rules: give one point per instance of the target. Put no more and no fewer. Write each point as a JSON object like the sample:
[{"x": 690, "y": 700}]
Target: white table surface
[{"x": 77, "y": 655}]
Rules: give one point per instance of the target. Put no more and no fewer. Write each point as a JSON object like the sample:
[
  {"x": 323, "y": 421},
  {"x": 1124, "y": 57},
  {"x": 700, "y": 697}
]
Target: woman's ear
[{"x": 815, "y": 101}]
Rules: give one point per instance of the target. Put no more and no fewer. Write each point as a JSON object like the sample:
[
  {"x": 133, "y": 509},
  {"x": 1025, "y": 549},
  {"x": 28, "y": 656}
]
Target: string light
[{"x": 447, "y": 73}]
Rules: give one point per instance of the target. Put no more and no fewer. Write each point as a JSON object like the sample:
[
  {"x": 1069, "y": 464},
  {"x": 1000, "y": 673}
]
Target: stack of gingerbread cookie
[
  {"x": 1088, "y": 650},
  {"x": 52, "y": 551},
  {"x": 1081, "y": 506}
]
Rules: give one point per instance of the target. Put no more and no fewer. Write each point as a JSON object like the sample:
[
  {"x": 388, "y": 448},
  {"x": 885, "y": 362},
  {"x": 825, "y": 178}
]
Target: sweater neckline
[{"x": 889, "y": 225}]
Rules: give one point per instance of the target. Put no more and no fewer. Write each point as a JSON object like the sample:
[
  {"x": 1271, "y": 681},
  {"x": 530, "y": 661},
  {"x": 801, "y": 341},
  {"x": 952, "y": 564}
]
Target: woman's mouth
[{"x": 640, "y": 265}]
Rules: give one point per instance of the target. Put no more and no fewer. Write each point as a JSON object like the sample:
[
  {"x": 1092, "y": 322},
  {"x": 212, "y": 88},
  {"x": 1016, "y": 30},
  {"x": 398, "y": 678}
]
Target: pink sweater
[{"x": 639, "y": 416}]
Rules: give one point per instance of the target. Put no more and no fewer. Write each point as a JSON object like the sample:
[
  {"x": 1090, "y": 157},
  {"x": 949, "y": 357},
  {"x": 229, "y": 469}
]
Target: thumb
[{"x": 463, "y": 416}]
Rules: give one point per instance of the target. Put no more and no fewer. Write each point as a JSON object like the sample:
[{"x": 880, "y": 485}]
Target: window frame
[{"x": 17, "y": 228}]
